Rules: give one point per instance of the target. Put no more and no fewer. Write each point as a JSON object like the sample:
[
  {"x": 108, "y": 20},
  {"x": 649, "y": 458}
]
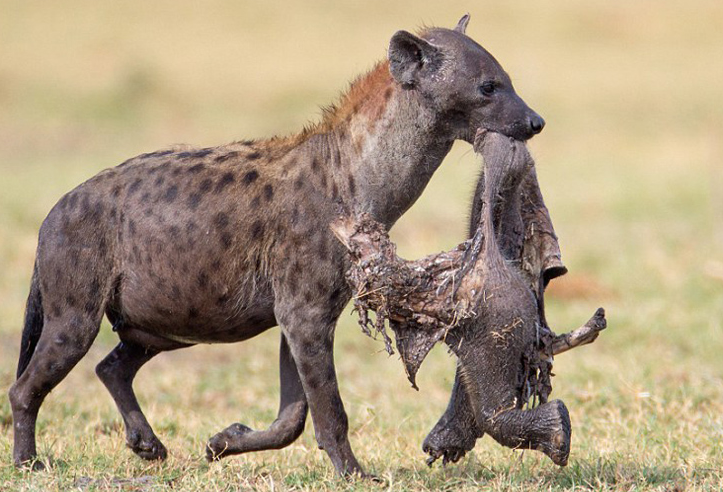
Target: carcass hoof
[
  {"x": 222, "y": 444},
  {"x": 149, "y": 448},
  {"x": 557, "y": 448},
  {"x": 448, "y": 455},
  {"x": 448, "y": 443}
]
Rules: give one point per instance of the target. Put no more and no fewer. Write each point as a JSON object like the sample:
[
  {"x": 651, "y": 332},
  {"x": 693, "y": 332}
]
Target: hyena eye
[{"x": 487, "y": 88}]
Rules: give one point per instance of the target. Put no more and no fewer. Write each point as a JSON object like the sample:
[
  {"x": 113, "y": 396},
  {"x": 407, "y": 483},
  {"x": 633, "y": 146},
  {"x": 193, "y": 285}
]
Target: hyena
[{"x": 179, "y": 247}]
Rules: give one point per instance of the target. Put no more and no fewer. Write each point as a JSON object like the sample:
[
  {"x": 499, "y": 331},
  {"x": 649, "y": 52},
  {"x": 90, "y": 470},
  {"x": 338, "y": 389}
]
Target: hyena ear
[
  {"x": 462, "y": 24},
  {"x": 414, "y": 343},
  {"x": 410, "y": 57}
]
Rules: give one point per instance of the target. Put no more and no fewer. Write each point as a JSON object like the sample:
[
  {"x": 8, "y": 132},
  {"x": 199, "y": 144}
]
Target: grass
[{"x": 629, "y": 164}]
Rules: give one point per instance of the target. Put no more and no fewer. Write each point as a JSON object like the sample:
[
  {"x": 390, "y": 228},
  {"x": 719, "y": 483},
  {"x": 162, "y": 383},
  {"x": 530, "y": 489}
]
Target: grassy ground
[{"x": 629, "y": 164}]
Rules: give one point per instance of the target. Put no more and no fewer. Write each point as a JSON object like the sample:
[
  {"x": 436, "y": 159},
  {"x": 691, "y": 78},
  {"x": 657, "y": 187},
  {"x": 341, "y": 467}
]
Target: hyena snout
[
  {"x": 527, "y": 126},
  {"x": 535, "y": 123},
  {"x": 520, "y": 122}
]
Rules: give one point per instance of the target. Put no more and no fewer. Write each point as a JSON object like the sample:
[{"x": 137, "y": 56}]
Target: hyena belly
[
  {"x": 189, "y": 277},
  {"x": 189, "y": 249}
]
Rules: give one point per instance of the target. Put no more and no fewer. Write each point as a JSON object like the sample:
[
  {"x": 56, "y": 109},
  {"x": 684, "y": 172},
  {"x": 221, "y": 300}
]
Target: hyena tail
[{"x": 33, "y": 323}]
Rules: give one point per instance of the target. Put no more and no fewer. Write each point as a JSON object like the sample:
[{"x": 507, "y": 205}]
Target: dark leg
[
  {"x": 545, "y": 428},
  {"x": 64, "y": 341},
  {"x": 496, "y": 397},
  {"x": 287, "y": 427},
  {"x": 312, "y": 346},
  {"x": 456, "y": 432},
  {"x": 117, "y": 371}
]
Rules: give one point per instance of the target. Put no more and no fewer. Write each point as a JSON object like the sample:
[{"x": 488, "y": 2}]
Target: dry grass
[{"x": 629, "y": 164}]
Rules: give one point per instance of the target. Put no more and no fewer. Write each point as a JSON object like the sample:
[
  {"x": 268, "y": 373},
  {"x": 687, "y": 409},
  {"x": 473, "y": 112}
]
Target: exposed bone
[{"x": 587, "y": 333}]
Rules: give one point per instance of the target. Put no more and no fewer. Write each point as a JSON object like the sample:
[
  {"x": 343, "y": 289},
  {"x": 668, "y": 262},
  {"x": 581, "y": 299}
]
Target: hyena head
[{"x": 462, "y": 82}]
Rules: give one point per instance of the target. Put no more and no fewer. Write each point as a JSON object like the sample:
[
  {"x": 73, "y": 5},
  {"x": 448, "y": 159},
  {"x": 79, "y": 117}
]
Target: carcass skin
[
  {"x": 527, "y": 241},
  {"x": 484, "y": 300},
  {"x": 497, "y": 346}
]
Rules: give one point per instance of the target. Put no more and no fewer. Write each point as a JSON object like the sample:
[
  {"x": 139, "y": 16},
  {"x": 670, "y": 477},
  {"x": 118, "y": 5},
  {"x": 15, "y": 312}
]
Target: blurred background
[{"x": 630, "y": 165}]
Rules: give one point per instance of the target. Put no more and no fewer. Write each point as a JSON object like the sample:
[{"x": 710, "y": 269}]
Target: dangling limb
[{"x": 456, "y": 432}]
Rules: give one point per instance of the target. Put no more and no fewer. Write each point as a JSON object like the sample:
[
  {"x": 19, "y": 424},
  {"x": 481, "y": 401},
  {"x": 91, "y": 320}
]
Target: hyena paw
[
  {"x": 226, "y": 442},
  {"x": 148, "y": 447}
]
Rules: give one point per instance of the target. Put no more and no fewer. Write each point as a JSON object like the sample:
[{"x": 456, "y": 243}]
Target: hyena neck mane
[{"x": 382, "y": 138}]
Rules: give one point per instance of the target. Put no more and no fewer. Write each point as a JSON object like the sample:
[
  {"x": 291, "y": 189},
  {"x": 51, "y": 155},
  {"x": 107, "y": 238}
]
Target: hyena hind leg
[
  {"x": 116, "y": 372},
  {"x": 63, "y": 342}
]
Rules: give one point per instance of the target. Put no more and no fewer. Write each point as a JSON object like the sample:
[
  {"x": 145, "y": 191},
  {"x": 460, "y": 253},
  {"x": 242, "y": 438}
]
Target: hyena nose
[{"x": 536, "y": 123}]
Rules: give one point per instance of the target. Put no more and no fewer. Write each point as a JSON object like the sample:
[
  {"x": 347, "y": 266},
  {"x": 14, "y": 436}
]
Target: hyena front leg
[
  {"x": 308, "y": 326},
  {"x": 312, "y": 346},
  {"x": 288, "y": 426}
]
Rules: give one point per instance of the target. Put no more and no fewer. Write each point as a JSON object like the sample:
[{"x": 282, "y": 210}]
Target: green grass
[{"x": 630, "y": 165}]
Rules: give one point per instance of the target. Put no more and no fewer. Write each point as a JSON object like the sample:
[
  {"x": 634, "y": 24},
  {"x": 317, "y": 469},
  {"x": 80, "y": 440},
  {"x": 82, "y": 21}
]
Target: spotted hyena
[{"x": 180, "y": 247}]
